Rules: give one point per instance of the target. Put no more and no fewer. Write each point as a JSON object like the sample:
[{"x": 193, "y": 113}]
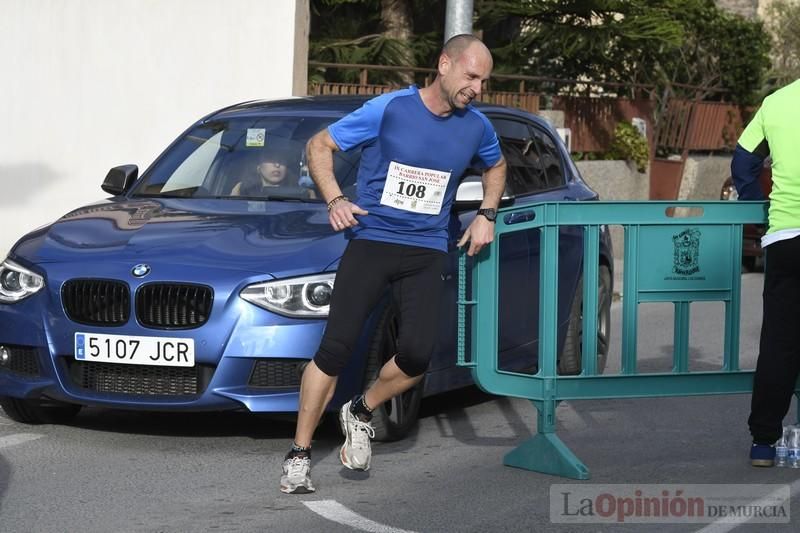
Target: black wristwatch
[{"x": 489, "y": 213}]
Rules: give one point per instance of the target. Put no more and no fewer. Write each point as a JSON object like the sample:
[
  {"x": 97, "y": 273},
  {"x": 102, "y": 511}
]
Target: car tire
[
  {"x": 395, "y": 418},
  {"x": 38, "y": 412},
  {"x": 571, "y": 361}
]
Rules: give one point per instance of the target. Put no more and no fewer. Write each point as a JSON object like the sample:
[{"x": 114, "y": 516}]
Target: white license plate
[{"x": 130, "y": 350}]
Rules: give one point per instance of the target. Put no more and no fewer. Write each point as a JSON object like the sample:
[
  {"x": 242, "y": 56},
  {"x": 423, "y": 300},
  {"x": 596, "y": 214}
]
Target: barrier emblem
[{"x": 686, "y": 254}]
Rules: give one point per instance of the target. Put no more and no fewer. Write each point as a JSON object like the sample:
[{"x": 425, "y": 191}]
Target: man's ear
[{"x": 444, "y": 64}]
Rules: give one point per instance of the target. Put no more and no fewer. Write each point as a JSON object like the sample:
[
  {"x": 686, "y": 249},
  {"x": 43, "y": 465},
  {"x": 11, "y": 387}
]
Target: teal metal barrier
[{"x": 679, "y": 252}]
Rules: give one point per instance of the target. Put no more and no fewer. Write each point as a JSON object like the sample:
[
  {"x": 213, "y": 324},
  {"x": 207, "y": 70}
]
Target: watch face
[{"x": 489, "y": 213}]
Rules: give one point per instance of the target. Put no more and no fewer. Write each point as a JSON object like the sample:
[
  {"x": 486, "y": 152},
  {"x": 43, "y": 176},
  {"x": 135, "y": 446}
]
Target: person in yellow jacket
[{"x": 775, "y": 132}]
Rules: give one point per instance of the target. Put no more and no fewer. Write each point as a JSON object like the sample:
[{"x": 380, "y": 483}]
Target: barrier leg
[{"x": 545, "y": 452}]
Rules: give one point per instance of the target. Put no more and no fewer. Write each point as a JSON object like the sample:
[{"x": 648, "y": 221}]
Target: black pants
[
  {"x": 366, "y": 270},
  {"x": 779, "y": 352}
]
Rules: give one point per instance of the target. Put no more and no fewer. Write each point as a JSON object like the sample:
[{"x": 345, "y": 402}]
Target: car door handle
[{"x": 516, "y": 218}]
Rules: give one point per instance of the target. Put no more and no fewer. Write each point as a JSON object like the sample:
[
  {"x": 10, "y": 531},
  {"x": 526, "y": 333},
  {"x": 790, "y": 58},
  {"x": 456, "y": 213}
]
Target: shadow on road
[
  {"x": 5, "y": 479},
  {"x": 216, "y": 424},
  {"x": 254, "y": 425},
  {"x": 448, "y": 411}
]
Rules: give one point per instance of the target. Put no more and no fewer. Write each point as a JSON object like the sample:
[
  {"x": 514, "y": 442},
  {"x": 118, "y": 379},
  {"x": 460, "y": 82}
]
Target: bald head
[{"x": 457, "y": 45}]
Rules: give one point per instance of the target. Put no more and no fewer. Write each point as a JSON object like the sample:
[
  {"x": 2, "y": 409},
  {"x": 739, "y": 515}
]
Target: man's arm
[
  {"x": 494, "y": 184},
  {"x": 319, "y": 151},
  {"x": 746, "y": 167},
  {"x": 748, "y": 159},
  {"x": 481, "y": 231}
]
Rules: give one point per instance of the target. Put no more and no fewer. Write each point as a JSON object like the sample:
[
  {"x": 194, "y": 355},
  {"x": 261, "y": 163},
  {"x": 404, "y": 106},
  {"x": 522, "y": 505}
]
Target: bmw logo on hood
[{"x": 141, "y": 271}]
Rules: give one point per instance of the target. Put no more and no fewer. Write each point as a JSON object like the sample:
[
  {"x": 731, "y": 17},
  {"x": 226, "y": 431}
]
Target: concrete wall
[
  {"x": 702, "y": 179},
  {"x": 90, "y": 84},
  {"x": 616, "y": 180}
]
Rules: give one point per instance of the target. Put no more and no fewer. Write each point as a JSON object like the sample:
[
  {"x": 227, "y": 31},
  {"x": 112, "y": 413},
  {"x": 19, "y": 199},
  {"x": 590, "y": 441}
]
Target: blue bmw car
[{"x": 196, "y": 286}]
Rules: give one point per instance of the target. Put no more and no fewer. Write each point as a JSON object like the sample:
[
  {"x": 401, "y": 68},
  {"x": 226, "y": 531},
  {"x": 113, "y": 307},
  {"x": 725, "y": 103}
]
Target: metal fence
[
  {"x": 526, "y": 101},
  {"x": 678, "y": 252},
  {"x": 708, "y": 126},
  {"x": 684, "y": 125}
]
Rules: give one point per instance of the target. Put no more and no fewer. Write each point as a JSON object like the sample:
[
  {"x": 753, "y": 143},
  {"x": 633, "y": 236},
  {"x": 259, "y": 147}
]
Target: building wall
[{"x": 91, "y": 84}]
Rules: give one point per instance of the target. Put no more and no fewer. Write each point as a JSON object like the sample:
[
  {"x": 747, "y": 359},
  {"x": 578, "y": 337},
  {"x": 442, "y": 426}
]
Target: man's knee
[
  {"x": 414, "y": 357},
  {"x": 332, "y": 356}
]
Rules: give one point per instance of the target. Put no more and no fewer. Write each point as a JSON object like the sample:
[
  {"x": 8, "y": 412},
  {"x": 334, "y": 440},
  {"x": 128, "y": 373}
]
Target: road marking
[
  {"x": 336, "y": 512},
  {"x": 731, "y": 523},
  {"x": 18, "y": 438}
]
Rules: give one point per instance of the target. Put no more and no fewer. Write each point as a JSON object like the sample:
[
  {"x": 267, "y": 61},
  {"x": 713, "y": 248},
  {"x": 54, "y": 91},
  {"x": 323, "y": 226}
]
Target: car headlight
[
  {"x": 309, "y": 296},
  {"x": 17, "y": 282}
]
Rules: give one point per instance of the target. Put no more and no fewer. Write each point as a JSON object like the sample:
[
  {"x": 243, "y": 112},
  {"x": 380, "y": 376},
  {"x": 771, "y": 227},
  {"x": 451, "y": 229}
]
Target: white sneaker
[
  {"x": 356, "y": 452},
  {"x": 296, "y": 478}
]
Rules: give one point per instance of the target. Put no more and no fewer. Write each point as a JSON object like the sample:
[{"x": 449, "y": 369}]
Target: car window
[
  {"x": 192, "y": 171},
  {"x": 550, "y": 159},
  {"x": 525, "y": 169},
  {"x": 249, "y": 158},
  {"x": 513, "y": 129}
]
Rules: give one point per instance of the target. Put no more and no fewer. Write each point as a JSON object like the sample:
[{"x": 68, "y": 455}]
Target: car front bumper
[{"x": 245, "y": 359}]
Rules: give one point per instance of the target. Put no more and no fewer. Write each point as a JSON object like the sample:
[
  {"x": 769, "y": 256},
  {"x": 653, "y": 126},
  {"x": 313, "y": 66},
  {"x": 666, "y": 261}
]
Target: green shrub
[{"x": 630, "y": 145}]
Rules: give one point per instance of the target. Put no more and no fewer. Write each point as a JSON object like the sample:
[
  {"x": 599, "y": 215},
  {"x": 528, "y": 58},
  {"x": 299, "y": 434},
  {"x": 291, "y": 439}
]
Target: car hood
[{"x": 282, "y": 238}]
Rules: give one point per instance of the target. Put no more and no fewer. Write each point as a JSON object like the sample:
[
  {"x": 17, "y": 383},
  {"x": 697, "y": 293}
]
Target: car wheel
[
  {"x": 395, "y": 418},
  {"x": 571, "y": 361},
  {"x": 38, "y": 412}
]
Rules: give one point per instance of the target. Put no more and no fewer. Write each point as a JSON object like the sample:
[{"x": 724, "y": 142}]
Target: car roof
[{"x": 335, "y": 105}]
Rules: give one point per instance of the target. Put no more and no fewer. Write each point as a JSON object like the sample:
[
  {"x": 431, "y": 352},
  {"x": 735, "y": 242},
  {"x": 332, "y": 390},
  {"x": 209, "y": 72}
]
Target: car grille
[
  {"x": 144, "y": 380},
  {"x": 276, "y": 373},
  {"x": 22, "y": 360},
  {"x": 97, "y": 302},
  {"x": 173, "y": 305}
]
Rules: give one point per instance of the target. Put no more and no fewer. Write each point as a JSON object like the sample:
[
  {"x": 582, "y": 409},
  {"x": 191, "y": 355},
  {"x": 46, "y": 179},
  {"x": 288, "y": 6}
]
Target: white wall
[{"x": 89, "y": 84}]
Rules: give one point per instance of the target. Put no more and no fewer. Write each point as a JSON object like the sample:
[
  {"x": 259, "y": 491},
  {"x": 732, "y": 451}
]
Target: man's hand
[
  {"x": 478, "y": 234},
  {"x": 342, "y": 213}
]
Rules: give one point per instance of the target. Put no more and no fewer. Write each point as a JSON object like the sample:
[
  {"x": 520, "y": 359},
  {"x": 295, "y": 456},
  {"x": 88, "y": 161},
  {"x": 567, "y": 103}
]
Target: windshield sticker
[{"x": 256, "y": 136}]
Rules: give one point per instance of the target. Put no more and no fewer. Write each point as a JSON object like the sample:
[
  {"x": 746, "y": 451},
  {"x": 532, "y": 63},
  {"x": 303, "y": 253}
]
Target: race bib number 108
[{"x": 415, "y": 189}]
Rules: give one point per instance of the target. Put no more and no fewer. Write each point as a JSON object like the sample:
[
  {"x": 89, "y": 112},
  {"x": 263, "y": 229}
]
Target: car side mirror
[
  {"x": 119, "y": 179},
  {"x": 469, "y": 195}
]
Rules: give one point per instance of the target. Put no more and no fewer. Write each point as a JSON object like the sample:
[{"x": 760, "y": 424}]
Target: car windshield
[{"x": 261, "y": 158}]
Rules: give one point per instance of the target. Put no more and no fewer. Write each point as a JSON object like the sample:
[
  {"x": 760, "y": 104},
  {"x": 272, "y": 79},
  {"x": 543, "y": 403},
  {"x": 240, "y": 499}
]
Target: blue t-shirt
[{"x": 421, "y": 156}]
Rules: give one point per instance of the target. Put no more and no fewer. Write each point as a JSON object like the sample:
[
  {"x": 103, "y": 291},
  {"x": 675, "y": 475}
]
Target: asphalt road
[{"x": 129, "y": 471}]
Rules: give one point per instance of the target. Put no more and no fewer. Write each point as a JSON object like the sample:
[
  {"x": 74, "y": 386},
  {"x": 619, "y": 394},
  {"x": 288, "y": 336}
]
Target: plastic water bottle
[
  {"x": 782, "y": 449},
  {"x": 793, "y": 455}
]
